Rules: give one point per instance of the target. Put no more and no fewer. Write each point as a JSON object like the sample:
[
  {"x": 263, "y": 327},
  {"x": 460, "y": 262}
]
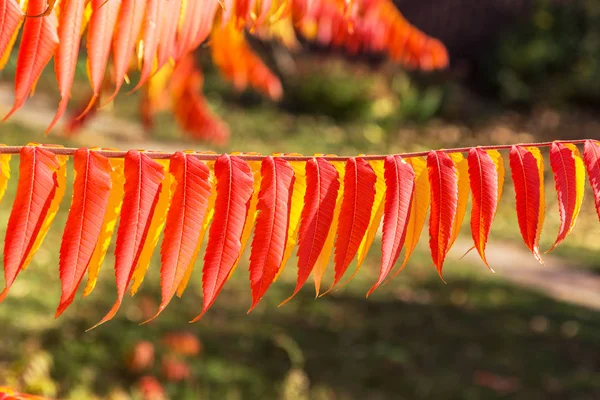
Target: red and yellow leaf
[
  {"x": 443, "y": 178},
  {"x": 4, "y": 173},
  {"x": 418, "y": 208},
  {"x": 38, "y": 43},
  {"x": 591, "y": 157},
  {"x": 11, "y": 18},
  {"x": 113, "y": 210},
  {"x": 234, "y": 190},
  {"x": 527, "y": 168},
  {"x": 268, "y": 244},
  {"x": 485, "y": 187},
  {"x": 36, "y": 189},
  {"x": 569, "y": 178},
  {"x": 150, "y": 37},
  {"x": 186, "y": 214},
  {"x": 400, "y": 183},
  {"x": 143, "y": 181},
  {"x": 65, "y": 62},
  {"x": 462, "y": 169},
  {"x": 168, "y": 32},
  {"x": 84, "y": 224},
  {"x": 359, "y": 194},
  {"x": 322, "y": 187}
]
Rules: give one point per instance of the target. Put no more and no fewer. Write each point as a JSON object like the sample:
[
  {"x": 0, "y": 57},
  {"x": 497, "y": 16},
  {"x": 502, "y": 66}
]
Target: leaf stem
[{"x": 69, "y": 151}]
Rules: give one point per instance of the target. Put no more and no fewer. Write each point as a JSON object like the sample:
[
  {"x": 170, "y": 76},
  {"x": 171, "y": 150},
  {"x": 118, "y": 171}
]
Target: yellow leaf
[
  {"x": 156, "y": 226},
  {"x": 4, "y": 173},
  {"x": 296, "y": 206},
  {"x": 418, "y": 209},
  {"x": 499, "y": 163},
  {"x": 540, "y": 162},
  {"x": 323, "y": 260},
  {"x": 115, "y": 201},
  {"x": 462, "y": 169}
]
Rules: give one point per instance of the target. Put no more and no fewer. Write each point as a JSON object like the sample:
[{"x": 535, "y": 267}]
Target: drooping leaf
[
  {"x": 168, "y": 31},
  {"x": 186, "y": 214},
  {"x": 11, "y": 18},
  {"x": 150, "y": 37},
  {"x": 323, "y": 260},
  {"x": 234, "y": 190},
  {"x": 527, "y": 168},
  {"x": 143, "y": 181},
  {"x": 4, "y": 173},
  {"x": 113, "y": 210},
  {"x": 359, "y": 194},
  {"x": 84, "y": 224},
  {"x": 322, "y": 187},
  {"x": 38, "y": 43},
  {"x": 569, "y": 178},
  {"x": 35, "y": 191},
  {"x": 99, "y": 41},
  {"x": 268, "y": 244},
  {"x": 591, "y": 157},
  {"x": 462, "y": 170},
  {"x": 400, "y": 184},
  {"x": 485, "y": 194},
  {"x": 418, "y": 208},
  {"x": 69, "y": 34},
  {"x": 443, "y": 178}
]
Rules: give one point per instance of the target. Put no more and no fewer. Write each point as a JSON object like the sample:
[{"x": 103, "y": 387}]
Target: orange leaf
[
  {"x": 143, "y": 181},
  {"x": 569, "y": 177},
  {"x": 69, "y": 31},
  {"x": 322, "y": 187},
  {"x": 443, "y": 179},
  {"x": 234, "y": 190},
  {"x": 399, "y": 181},
  {"x": 272, "y": 224},
  {"x": 35, "y": 191},
  {"x": 185, "y": 216},
  {"x": 38, "y": 43},
  {"x": 151, "y": 36},
  {"x": 168, "y": 32},
  {"x": 11, "y": 18},
  {"x": 355, "y": 213},
  {"x": 528, "y": 178},
  {"x": 82, "y": 231},
  {"x": 484, "y": 193},
  {"x": 591, "y": 156}
]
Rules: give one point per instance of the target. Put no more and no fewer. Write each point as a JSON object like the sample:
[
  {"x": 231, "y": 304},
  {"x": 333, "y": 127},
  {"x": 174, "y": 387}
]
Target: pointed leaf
[
  {"x": 527, "y": 168},
  {"x": 35, "y": 191},
  {"x": 569, "y": 178},
  {"x": 143, "y": 181},
  {"x": 400, "y": 183},
  {"x": 272, "y": 223},
  {"x": 443, "y": 178},
  {"x": 11, "y": 18},
  {"x": 168, "y": 32},
  {"x": 4, "y": 173},
  {"x": 322, "y": 187},
  {"x": 462, "y": 169},
  {"x": 484, "y": 194},
  {"x": 150, "y": 37},
  {"x": 38, "y": 43},
  {"x": 234, "y": 190},
  {"x": 84, "y": 223}
]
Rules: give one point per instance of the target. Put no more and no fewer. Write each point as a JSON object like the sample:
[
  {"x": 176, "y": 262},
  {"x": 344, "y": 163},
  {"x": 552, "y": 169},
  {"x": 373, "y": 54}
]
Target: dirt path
[{"x": 512, "y": 262}]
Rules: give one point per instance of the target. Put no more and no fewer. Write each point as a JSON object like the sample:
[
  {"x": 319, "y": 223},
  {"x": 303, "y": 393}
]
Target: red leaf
[
  {"x": 234, "y": 190},
  {"x": 10, "y": 21},
  {"x": 168, "y": 32},
  {"x": 90, "y": 199},
  {"x": 99, "y": 40},
  {"x": 270, "y": 235},
  {"x": 355, "y": 213},
  {"x": 322, "y": 185},
  {"x": 569, "y": 180},
  {"x": 184, "y": 219},
  {"x": 129, "y": 25},
  {"x": 591, "y": 157},
  {"x": 528, "y": 180},
  {"x": 484, "y": 190},
  {"x": 143, "y": 182},
  {"x": 65, "y": 62},
  {"x": 399, "y": 181},
  {"x": 37, "y": 48},
  {"x": 444, "y": 199},
  {"x": 35, "y": 191},
  {"x": 150, "y": 36}
]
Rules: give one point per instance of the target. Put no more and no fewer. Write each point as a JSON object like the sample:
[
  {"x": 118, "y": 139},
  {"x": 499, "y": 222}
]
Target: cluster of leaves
[
  {"x": 159, "y": 36},
  {"x": 317, "y": 203}
]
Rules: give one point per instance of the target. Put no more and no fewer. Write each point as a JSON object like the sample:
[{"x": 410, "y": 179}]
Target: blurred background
[{"x": 520, "y": 71}]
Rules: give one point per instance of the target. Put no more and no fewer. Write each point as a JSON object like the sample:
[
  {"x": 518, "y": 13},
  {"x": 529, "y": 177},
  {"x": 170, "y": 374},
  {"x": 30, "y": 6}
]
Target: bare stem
[{"x": 68, "y": 151}]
